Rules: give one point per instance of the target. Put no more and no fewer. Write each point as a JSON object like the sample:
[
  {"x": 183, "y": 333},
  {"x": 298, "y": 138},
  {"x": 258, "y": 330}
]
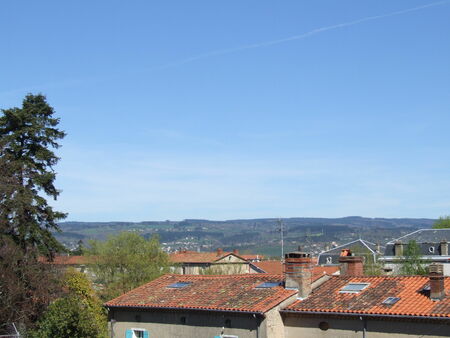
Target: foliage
[
  {"x": 442, "y": 223},
  {"x": 126, "y": 261},
  {"x": 411, "y": 263},
  {"x": 78, "y": 314},
  {"x": 24, "y": 295},
  {"x": 27, "y": 137}
]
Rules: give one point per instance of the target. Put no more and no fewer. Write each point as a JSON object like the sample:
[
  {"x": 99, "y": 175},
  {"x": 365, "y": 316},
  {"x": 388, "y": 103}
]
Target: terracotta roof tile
[
  {"x": 203, "y": 257},
  {"x": 277, "y": 268},
  {"x": 65, "y": 260},
  {"x": 216, "y": 292},
  {"x": 413, "y": 300}
]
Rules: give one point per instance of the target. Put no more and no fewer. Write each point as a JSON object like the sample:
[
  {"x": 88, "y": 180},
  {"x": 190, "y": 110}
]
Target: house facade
[
  {"x": 377, "y": 306},
  {"x": 245, "y": 305},
  {"x": 219, "y": 262},
  {"x": 292, "y": 304},
  {"x": 433, "y": 245}
]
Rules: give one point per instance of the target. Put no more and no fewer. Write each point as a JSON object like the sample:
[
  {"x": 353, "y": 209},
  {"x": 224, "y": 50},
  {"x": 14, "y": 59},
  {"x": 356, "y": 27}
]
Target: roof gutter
[
  {"x": 364, "y": 315},
  {"x": 180, "y": 308}
]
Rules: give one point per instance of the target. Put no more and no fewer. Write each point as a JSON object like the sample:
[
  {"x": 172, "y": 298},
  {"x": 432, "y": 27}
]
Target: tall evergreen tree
[{"x": 28, "y": 136}]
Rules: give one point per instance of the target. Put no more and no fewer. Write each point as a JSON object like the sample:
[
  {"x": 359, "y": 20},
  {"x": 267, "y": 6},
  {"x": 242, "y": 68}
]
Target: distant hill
[{"x": 259, "y": 235}]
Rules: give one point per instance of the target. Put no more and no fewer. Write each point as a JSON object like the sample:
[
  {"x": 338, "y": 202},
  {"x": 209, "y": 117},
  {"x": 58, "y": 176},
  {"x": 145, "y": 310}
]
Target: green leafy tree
[
  {"x": 412, "y": 263},
  {"x": 442, "y": 223},
  {"x": 28, "y": 136},
  {"x": 126, "y": 261},
  {"x": 79, "y": 314}
]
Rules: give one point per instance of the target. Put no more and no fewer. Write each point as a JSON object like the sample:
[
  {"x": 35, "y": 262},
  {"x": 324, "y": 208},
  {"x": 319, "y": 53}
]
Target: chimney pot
[
  {"x": 444, "y": 248},
  {"x": 219, "y": 252},
  {"x": 437, "y": 288},
  {"x": 236, "y": 251},
  {"x": 398, "y": 248}
]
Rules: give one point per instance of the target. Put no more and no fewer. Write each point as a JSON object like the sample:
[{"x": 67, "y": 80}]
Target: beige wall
[
  {"x": 199, "y": 324},
  {"x": 273, "y": 324},
  {"x": 308, "y": 327}
]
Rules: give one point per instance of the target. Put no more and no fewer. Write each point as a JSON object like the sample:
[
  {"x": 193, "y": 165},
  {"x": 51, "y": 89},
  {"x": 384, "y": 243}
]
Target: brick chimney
[
  {"x": 236, "y": 252},
  {"x": 437, "y": 289},
  {"x": 350, "y": 265},
  {"x": 444, "y": 248},
  {"x": 398, "y": 248},
  {"x": 219, "y": 252},
  {"x": 298, "y": 272}
]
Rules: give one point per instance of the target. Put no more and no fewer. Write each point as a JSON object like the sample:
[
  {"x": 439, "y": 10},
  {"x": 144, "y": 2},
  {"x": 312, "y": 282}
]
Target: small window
[
  {"x": 324, "y": 326},
  {"x": 390, "y": 300},
  {"x": 329, "y": 260},
  {"x": 431, "y": 249},
  {"x": 183, "y": 320},
  {"x": 179, "y": 285},
  {"x": 228, "y": 323},
  {"x": 137, "y": 333},
  {"x": 354, "y": 287},
  {"x": 426, "y": 288},
  {"x": 268, "y": 285}
]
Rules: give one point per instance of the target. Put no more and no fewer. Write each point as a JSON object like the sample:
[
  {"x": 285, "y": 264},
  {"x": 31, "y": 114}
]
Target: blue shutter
[
  {"x": 217, "y": 337},
  {"x": 145, "y": 334},
  {"x": 129, "y": 334}
]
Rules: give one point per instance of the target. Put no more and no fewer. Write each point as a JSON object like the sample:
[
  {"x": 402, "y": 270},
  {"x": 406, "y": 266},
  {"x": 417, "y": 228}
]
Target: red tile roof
[
  {"x": 276, "y": 267},
  {"x": 199, "y": 257},
  {"x": 208, "y": 292},
  {"x": 413, "y": 300},
  {"x": 65, "y": 260}
]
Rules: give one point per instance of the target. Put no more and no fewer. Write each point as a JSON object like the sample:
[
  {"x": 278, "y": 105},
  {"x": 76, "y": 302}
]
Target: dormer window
[{"x": 354, "y": 287}]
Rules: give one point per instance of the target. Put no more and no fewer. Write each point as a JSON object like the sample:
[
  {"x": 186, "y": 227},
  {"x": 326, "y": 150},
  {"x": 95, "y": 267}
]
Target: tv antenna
[{"x": 281, "y": 230}]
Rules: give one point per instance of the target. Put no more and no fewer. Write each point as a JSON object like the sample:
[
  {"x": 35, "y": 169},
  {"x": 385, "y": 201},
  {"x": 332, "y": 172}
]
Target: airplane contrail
[
  {"x": 298, "y": 37},
  {"x": 256, "y": 45}
]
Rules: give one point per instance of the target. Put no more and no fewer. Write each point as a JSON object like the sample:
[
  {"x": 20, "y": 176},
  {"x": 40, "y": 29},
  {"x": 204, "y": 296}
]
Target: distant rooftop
[{"x": 425, "y": 236}]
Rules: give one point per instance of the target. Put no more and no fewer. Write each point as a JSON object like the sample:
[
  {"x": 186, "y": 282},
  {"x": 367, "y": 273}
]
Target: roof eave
[
  {"x": 182, "y": 308},
  {"x": 350, "y": 314}
]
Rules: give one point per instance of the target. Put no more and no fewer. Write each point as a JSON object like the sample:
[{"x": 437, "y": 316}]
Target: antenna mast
[{"x": 281, "y": 230}]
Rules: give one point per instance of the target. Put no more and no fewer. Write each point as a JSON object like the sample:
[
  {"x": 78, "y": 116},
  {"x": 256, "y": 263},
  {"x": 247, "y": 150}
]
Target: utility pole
[{"x": 281, "y": 230}]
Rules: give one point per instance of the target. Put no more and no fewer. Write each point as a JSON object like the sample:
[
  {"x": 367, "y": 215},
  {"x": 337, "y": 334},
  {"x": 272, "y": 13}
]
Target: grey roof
[
  {"x": 425, "y": 236},
  {"x": 331, "y": 257}
]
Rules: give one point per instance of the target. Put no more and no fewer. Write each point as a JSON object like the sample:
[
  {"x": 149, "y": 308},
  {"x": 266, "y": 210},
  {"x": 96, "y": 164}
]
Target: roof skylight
[
  {"x": 354, "y": 287},
  {"x": 179, "y": 285},
  {"x": 390, "y": 300},
  {"x": 267, "y": 285}
]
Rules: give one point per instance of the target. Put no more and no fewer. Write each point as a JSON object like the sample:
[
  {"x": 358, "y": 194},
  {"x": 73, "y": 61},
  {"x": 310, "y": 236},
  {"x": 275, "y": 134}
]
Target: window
[
  {"x": 179, "y": 285},
  {"x": 266, "y": 285},
  {"x": 354, "y": 287},
  {"x": 431, "y": 249},
  {"x": 329, "y": 260},
  {"x": 137, "y": 333},
  {"x": 390, "y": 300}
]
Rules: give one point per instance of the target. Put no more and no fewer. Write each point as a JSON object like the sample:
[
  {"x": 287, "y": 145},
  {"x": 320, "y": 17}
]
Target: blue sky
[{"x": 239, "y": 109}]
